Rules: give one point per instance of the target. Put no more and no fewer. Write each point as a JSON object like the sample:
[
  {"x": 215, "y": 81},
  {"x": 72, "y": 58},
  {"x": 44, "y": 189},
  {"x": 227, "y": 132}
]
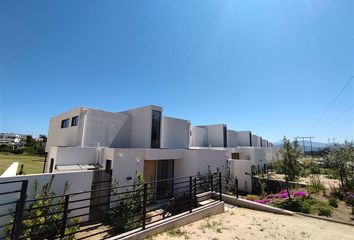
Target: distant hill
[{"x": 315, "y": 145}]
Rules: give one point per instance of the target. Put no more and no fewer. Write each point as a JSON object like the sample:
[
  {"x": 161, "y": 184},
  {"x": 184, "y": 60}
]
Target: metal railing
[
  {"x": 115, "y": 210},
  {"x": 17, "y": 196}
]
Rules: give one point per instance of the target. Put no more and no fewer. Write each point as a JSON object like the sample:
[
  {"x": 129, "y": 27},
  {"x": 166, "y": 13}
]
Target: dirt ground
[
  {"x": 328, "y": 183},
  {"x": 246, "y": 224}
]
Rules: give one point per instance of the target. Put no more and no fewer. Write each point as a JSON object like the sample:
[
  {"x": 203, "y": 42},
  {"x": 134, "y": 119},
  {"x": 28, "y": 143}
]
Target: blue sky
[{"x": 269, "y": 66}]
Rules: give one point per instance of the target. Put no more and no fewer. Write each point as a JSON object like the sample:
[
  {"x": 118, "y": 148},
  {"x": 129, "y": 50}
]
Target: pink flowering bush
[{"x": 282, "y": 195}]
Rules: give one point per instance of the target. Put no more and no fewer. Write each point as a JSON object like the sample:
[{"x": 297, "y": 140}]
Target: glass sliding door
[{"x": 165, "y": 170}]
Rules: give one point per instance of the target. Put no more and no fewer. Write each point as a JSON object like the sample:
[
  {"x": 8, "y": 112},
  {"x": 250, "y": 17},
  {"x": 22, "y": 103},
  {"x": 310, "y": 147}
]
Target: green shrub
[
  {"x": 324, "y": 211},
  {"x": 252, "y": 197},
  {"x": 333, "y": 202},
  {"x": 296, "y": 205},
  {"x": 46, "y": 203},
  {"x": 316, "y": 186},
  {"x": 126, "y": 211}
]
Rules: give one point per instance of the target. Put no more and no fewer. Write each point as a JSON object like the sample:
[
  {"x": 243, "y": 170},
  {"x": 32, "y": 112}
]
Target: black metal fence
[
  {"x": 13, "y": 201},
  {"x": 123, "y": 208}
]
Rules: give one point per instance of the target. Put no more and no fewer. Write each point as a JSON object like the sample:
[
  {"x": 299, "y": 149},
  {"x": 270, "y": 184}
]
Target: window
[
  {"x": 155, "y": 129},
  {"x": 235, "y": 155},
  {"x": 75, "y": 121},
  {"x": 65, "y": 123},
  {"x": 225, "y": 136}
]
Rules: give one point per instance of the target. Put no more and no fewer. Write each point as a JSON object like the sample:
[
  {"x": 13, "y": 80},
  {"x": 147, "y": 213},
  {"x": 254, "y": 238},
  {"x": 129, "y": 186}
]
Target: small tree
[
  {"x": 340, "y": 159},
  {"x": 289, "y": 164}
]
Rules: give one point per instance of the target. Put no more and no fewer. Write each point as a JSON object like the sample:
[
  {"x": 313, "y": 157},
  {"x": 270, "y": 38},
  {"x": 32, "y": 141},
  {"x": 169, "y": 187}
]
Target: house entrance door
[{"x": 165, "y": 170}]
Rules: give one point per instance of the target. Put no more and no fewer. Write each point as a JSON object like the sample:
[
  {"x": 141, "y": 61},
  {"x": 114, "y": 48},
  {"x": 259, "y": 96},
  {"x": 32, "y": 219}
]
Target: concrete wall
[
  {"x": 215, "y": 135},
  {"x": 72, "y": 155},
  {"x": 239, "y": 168},
  {"x": 58, "y": 136},
  {"x": 106, "y": 128},
  {"x": 127, "y": 164},
  {"x": 255, "y": 141},
  {"x": 199, "y": 137},
  {"x": 174, "y": 133},
  {"x": 202, "y": 161},
  {"x": 243, "y": 138},
  {"x": 141, "y": 126},
  {"x": 231, "y": 138},
  {"x": 78, "y": 181}
]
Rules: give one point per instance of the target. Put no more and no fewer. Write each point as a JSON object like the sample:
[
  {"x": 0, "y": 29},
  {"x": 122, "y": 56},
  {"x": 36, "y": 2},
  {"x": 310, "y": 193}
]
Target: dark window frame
[
  {"x": 75, "y": 121},
  {"x": 235, "y": 156},
  {"x": 155, "y": 129},
  {"x": 65, "y": 123},
  {"x": 225, "y": 136}
]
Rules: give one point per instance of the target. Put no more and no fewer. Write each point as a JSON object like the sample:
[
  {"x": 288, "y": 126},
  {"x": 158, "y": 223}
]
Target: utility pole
[{"x": 303, "y": 142}]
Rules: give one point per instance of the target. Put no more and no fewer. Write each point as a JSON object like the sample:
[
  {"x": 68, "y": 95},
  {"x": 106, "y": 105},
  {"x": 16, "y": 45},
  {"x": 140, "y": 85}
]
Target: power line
[
  {"x": 333, "y": 101},
  {"x": 340, "y": 126},
  {"x": 334, "y": 120}
]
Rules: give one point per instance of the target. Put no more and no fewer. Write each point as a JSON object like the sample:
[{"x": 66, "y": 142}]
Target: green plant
[
  {"x": 339, "y": 159},
  {"x": 296, "y": 205},
  {"x": 252, "y": 197},
  {"x": 333, "y": 202},
  {"x": 177, "y": 232},
  {"x": 290, "y": 164},
  {"x": 127, "y": 210},
  {"x": 41, "y": 221},
  {"x": 315, "y": 186},
  {"x": 324, "y": 211}
]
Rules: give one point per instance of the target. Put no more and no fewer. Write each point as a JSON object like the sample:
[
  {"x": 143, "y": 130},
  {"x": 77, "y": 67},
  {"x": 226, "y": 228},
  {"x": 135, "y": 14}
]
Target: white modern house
[{"x": 144, "y": 142}]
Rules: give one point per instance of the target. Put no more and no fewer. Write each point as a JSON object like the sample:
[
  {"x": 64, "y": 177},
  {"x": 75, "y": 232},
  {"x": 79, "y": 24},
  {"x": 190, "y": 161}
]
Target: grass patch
[
  {"x": 32, "y": 164},
  {"x": 213, "y": 225},
  {"x": 333, "y": 202},
  {"x": 177, "y": 232}
]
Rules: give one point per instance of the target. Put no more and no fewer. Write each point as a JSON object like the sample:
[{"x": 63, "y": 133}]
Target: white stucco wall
[
  {"x": 243, "y": 138},
  {"x": 215, "y": 135},
  {"x": 231, "y": 138},
  {"x": 255, "y": 142},
  {"x": 199, "y": 137},
  {"x": 79, "y": 181},
  {"x": 174, "y": 133},
  {"x": 76, "y": 155},
  {"x": 141, "y": 126},
  {"x": 106, "y": 128},
  {"x": 58, "y": 136},
  {"x": 239, "y": 168},
  {"x": 195, "y": 161},
  {"x": 264, "y": 143},
  {"x": 128, "y": 163}
]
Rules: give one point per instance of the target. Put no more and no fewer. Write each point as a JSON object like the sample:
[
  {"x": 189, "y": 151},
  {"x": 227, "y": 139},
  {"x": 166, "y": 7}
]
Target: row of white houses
[
  {"x": 143, "y": 141},
  {"x": 136, "y": 142}
]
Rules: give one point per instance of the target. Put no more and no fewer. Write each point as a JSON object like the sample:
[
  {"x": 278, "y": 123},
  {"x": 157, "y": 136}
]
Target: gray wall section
[
  {"x": 174, "y": 133},
  {"x": 108, "y": 129},
  {"x": 231, "y": 138},
  {"x": 141, "y": 126},
  {"x": 243, "y": 138}
]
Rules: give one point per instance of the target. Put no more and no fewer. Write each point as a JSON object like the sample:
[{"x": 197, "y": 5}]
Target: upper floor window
[
  {"x": 65, "y": 123},
  {"x": 155, "y": 129},
  {"x": 225, "y": 136},
  {"x": 235, "y": 155},
  {"x": 75, "y": 121}
]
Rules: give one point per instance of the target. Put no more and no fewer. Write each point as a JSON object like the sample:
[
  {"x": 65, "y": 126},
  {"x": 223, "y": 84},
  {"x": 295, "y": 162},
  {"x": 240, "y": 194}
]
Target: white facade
[
  {"x": 231, "y": 138},
  {"x": 209, "y": 136},
  {"x": 244, "y": 138},
  {"x": 175, "y": 133}
]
